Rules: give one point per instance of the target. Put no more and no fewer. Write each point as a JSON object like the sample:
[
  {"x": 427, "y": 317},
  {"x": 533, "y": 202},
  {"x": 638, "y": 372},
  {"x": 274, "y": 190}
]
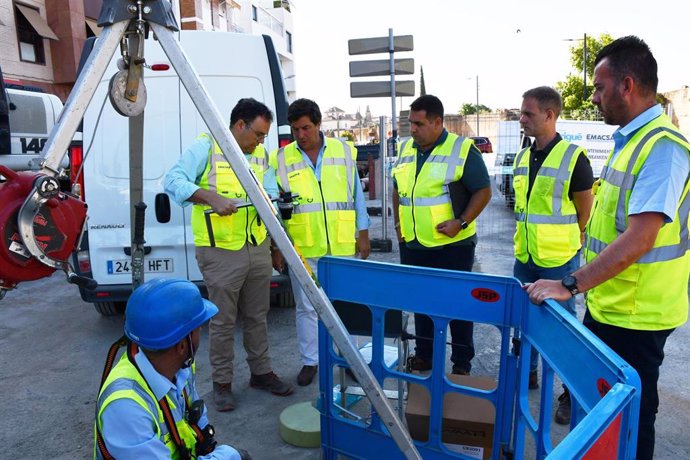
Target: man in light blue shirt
[
  {"x": 163, "y": 320},
  {"x": 232, "y": 247},
  {"x": 638, "y": 263},
  {"x": 661, "y": 180}
]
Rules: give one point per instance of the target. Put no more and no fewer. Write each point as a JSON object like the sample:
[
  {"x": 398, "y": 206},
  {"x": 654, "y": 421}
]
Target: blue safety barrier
[{"x": 605, "y": 390}]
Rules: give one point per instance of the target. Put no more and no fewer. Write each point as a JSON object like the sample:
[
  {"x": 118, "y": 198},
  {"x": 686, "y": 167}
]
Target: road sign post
[{"x": 391, "y": 89}]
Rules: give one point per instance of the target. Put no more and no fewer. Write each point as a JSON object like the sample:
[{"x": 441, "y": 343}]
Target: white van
[
  {"x": 231, "y": 66},
  {"x": 27, "y": 116}
]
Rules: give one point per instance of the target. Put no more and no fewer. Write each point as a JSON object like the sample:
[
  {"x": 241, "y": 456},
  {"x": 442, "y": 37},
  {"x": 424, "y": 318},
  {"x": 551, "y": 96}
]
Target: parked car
[
  {"x": 504, "y": 172},
  {"x": 483, "y": 144},
  {"x": 504, "y": 177},
  {"x": 27, "y": 115}
]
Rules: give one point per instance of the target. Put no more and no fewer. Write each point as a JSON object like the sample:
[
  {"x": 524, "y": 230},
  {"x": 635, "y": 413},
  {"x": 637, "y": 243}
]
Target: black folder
[{"x": 459, "y": 197}]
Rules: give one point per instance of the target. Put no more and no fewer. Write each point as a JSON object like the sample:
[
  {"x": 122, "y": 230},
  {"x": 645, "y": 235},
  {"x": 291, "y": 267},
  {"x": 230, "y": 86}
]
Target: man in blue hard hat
[{"x": 148, "y": 406}]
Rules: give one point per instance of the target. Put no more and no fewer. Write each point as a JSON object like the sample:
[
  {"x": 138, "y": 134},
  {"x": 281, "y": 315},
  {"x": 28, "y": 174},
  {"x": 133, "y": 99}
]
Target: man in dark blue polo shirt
[{"x": 435, "y": 168}]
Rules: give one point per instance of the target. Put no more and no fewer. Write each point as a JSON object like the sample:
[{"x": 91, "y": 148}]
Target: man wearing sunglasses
[{"x": 232, "y": 247}]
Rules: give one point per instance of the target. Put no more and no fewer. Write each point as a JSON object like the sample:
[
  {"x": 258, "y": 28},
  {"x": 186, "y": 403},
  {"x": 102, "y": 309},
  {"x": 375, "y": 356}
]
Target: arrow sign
[
  {"x": 381, "y": 67},
  {"x": 381, "y": 88},
  {"x": 379, "y": 45}
]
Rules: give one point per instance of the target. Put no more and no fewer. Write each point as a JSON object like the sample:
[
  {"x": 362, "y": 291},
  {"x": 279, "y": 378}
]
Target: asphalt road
[{"x": 53, "y": 347}]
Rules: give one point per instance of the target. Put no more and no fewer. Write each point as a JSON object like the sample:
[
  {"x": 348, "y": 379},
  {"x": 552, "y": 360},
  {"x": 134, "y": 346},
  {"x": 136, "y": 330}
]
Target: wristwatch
[
  {"x": 570, "y": 283},
  {"x": 463, "y": 223}
]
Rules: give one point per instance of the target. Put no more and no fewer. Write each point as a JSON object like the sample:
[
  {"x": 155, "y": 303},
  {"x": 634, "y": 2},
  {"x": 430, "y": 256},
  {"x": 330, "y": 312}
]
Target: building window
[
  {"x": 255, "y": 13},
  {"x": 31, "y": 30},
  {"x": 288, "y": 39}
]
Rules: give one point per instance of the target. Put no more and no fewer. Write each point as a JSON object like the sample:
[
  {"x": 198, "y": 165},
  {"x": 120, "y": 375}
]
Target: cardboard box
[{"x": 468, "y": 422}]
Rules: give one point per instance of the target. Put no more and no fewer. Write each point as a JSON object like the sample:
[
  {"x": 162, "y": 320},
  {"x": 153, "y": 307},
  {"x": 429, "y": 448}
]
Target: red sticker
[
  {"x": 603, "y": 386},
  {"x": 485, "y": 295}
]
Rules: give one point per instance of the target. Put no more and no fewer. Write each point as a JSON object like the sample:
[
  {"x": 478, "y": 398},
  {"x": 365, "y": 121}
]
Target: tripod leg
[
  {"x": 62, "y": 132},
  {"x": 84, "y": 89},
  {"x": 209, "y": 112}
]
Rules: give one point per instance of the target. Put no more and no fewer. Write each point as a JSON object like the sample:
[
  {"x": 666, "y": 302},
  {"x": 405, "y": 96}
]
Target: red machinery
[{"x": 54, "y": 232}]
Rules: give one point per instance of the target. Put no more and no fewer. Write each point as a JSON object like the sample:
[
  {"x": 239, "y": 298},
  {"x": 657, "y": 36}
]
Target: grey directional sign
[
  {"x": 381, "y": 67},
  {"x": 381, "y": 88},
  {"x": 379, "y": 44}
]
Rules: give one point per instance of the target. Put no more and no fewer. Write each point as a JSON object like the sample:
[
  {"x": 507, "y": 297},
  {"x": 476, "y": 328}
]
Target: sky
[{"x": 507, "y": 46}]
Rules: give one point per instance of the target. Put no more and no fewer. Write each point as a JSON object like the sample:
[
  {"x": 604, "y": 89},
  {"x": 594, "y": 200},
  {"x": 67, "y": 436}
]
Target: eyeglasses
[{"x": 259, "y": 135}]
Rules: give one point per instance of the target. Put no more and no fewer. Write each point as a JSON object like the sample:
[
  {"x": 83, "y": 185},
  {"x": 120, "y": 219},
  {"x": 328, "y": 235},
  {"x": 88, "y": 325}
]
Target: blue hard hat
[{"x": 162, "y": 312}]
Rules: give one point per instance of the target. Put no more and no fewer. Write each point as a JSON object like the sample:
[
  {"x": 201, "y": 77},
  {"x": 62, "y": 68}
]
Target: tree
[
  {"x": 422, "y": 86},
  {"x": 471, "y": 109},
  {"x": 572, "y": 88},
  {"x": 349, "y": 135}
]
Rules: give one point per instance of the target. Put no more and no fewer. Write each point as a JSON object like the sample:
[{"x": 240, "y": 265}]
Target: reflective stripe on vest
[
  {"x": 233, "y": 231},
  {"x": 424, "y": 200},
  {"x": 125, "y": 382},
  {"x": 324, "y": 221},
  {"x": 650, "y": 294},
  {"x": 547, "y": 227}
]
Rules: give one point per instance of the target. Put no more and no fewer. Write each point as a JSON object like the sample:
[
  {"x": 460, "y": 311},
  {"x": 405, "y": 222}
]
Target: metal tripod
[{"x": 117, "y": 16}]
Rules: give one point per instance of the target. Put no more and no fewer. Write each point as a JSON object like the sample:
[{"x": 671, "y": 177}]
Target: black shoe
[
  {"x": 533, "y": 380},
  {"x": 416, "y": 363},
  {"x": 270, "y": 382},
  {"x": 306, "y": 375},
  {"x": 457, "y": 370},
  {"x": 562, "y": 416}
]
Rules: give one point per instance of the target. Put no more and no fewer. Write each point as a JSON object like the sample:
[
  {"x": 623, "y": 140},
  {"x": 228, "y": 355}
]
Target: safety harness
[{"x": 204, "y": 437}]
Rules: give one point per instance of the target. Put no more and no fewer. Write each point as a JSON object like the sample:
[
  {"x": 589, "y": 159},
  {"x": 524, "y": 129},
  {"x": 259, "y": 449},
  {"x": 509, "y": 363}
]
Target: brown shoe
[
  {"x": 223, "y": 398},
  {"x": 306, "y": 375},
  {"x": 562, "y": 416},
  {"x": 416, "y": 363},
  {"x": 533, "y": 380},
  {"x": 270, "y": 382}
]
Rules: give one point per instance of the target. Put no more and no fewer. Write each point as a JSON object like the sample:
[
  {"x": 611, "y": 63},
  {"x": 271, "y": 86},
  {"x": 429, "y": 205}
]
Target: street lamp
[
  {"x": 476, "y": 111},
  {"x": 477, "y": 105}
]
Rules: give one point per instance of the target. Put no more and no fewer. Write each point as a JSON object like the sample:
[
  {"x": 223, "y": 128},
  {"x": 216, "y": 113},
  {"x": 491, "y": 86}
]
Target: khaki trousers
[{"x": 238, "y": 283}]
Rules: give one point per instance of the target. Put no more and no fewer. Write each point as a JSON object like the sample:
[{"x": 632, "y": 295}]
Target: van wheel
[
  {"x": 110, "y": 308},
  {"x": 283, "y": 300}
]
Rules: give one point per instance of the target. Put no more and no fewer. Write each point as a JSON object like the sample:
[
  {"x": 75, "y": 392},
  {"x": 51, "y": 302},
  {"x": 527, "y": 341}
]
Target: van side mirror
[{"x": 162, "y": 208}]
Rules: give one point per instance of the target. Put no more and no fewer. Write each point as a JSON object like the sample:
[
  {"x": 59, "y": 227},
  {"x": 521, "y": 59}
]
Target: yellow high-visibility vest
[
  {"x": 652, "y": 293},
  {"x": 324, "y": 221},
  {"x": 424, "y": 200},
  {"x": 125, "y": 382},
  {"x": 547, "y": 227},
  {"x": 233, "y": 231}
]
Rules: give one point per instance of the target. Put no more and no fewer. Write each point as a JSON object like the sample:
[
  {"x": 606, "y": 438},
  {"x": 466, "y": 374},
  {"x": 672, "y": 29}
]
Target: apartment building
[{"x": 41, "y": 40}]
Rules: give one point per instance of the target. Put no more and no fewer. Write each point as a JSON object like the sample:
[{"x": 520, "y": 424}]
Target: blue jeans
[{"x": 531, "y": 272}]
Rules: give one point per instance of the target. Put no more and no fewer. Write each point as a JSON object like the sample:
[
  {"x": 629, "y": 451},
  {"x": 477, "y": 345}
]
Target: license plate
[{"x": 117, "y": 267}]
